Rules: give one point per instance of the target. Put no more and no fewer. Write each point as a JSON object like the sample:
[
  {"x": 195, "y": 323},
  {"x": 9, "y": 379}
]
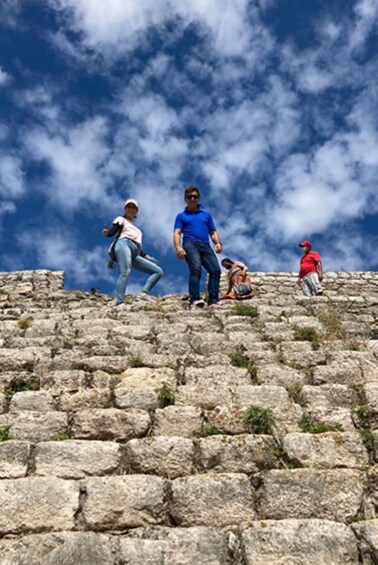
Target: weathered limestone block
[
  {"x": 263, "y": 395},
  {"x": 216, "y": 342},
  {"x": 100, "y": 379},
  {"x": 184, "y": 421},
  {"x": 305, "y": 542},
  {"x": 210, "y": 360},
  {"x": 326, "y": 451},
  {"x": 173, "y": 343},
  {"x": 23, "y": 359},
  {"x": 204, "y": 396},
  {"x": 145, "y": 398},
  {"x": 175, "y": 546},
  {"x": 131, "y": 501},
  {"x": 332, "y": 395},
  {"x": 227, "y": 419},
  {"x": 39, "y": 401},
  {"x": 245, "y": 453},
  {"x": 167, "y": 456},
  {"x": 146, "y": 377},
  {"x": 137, "y": 331},
  {"x": 367, "y": 534},
  {"x": 37, "y": 504},
  {"x": 306, "y": 322},
  {"x": 278, "y": 331},
  {"x": 76, "y": 459},
  {"x": 213, "y": 500},
  {"x": 35, "y": 426},
  {"x": 90, "y": 398},
  {"x": 244, "y": 338},
  {"x": 301, "y": 353},
  {"x": 41, "y": 328},
  {"x": 110, "y": 424},
  {"x": 110, "y": 364},
  {"x": 275, "y": 374},
  {"x": 63, "y": 381},
  {"x": 307, "y": 493},
  {"x": 14, "y": 458},
  {"x": 66, "y": 548},
  {"x": 346, "y": 373},
  {"x": 341, "y": 417},
  {"x": 217, "y": 375},
  {"x": 287, "y": 418}
]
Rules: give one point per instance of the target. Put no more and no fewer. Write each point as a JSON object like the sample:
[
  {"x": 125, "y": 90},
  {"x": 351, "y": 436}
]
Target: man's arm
[
  {"x": 180, "y": 252},
  {"x": 217, "y": 242}
]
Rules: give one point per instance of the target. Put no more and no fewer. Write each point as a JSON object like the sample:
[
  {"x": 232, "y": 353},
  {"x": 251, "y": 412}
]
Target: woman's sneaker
[{"x": 197, "y": 304}]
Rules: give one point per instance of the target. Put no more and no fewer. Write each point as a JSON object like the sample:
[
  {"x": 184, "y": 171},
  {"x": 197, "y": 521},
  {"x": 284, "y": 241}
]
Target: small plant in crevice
[
  {"x": 4, "y": 433},
  {"x": 363, "y": 423},
  {"x": 310, "y": 426},
  {"x": 62, "y": 436},
  {"x": 21, "y": 385},
  {"x": 166, "y": 396},
  {"x": 209, "y": 431},
  {"x": 307, "y": 334},
  {"x": 259, "y": 420},
  {"x": 135, "y": 361},
  {"x": 238, "y": 359},
  {"x": 245, "y": 310},
  {"x": 332, "y": 325},
  {"x": 293, "y": 364},
  {"x": 25, "y": 323},
  {"x": 295, "y": 392}
]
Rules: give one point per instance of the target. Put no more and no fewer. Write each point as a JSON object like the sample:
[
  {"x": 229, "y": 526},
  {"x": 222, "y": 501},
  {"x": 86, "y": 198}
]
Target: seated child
[{"x": 239, "y": 282}]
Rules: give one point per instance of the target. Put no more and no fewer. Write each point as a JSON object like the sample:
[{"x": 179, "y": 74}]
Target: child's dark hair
[
  {"x": 228, "y": 261},
  {"x": 190, "y": 189}
]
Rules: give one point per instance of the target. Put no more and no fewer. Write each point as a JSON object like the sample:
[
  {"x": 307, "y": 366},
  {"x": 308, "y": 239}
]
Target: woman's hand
[{"x": 105, "y": 231}]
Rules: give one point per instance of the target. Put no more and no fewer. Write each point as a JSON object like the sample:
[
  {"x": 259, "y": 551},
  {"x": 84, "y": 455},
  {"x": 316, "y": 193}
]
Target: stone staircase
[{"x": 155, "y": 435}]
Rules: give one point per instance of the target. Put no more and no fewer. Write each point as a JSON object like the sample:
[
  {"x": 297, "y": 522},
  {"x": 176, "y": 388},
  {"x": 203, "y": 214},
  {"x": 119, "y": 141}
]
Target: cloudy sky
[{"x": 269, "y": 106}]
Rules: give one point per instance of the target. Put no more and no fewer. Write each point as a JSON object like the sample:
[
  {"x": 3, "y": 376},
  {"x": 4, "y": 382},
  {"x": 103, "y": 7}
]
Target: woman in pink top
[{"x": 128, "y": 251}]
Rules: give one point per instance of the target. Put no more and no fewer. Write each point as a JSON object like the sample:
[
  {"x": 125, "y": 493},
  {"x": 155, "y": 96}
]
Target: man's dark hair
[{"x": 192, "y": 189}]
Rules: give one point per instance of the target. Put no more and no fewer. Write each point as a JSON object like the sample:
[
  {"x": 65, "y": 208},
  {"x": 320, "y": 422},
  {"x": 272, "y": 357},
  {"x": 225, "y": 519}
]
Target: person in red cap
[
  {"x": 310, "y": 271},
  {"x": 128, "y": 252}
]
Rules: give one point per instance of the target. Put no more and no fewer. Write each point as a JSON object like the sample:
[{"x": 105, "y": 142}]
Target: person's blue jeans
[
  {"x": 199, "y": 255},
  {"x": 127, "y": 255}
]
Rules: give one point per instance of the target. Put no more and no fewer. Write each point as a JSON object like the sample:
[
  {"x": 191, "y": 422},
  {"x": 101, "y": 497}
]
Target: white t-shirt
[{"x": 128, "y": 230}]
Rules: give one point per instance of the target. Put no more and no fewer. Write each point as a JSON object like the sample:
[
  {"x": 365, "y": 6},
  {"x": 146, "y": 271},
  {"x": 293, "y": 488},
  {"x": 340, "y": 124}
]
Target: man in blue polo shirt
[{"x": 191, "y": 240}]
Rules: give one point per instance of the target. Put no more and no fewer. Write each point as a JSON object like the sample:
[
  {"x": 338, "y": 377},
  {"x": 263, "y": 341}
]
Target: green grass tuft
[{"x": 259, "y": 420}]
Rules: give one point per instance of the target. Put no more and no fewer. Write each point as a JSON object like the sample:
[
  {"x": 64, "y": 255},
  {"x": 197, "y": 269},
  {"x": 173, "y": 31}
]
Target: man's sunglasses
[{"x": 192, "y": 197}]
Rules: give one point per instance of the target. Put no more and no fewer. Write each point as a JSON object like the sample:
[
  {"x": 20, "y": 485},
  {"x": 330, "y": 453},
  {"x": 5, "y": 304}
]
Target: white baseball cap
[{"x": 132, "y": 201}]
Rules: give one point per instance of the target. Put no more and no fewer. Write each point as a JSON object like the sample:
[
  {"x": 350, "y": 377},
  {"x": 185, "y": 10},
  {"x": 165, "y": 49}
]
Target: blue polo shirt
[{"x": 195, "y": 226}]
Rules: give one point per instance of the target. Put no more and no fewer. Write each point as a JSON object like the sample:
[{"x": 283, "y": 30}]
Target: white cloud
[
  {"x": 12, "y": 184},
  {"x": 4, "y": 77},
  {"x": 76, "y": 156}
]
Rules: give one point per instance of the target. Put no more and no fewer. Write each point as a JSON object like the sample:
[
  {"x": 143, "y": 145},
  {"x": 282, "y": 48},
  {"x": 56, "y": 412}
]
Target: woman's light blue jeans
[{"x": 128, "y": 256}]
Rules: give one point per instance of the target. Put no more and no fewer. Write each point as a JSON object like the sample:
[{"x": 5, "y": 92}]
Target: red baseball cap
[{"x": 305, "y": 243}]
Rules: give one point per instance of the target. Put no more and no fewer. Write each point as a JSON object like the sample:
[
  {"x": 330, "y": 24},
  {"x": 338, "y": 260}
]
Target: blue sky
[{"x": 270, "y": 107}]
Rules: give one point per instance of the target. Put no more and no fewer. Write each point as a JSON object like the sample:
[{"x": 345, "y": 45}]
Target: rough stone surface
[
  {"x": 166, "y": 456},
  {"x": 75, "y": 459},
  {"x": 213, "y": 500},
  {"x": 94, "y": 469},
  {"x": 37, "y": 504},
  {"x": 137, "y": 500},
  {"x": 326, "y": 451},
  {"x": 306, "y": 493},
  {"x": 305, "y": 542}
]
